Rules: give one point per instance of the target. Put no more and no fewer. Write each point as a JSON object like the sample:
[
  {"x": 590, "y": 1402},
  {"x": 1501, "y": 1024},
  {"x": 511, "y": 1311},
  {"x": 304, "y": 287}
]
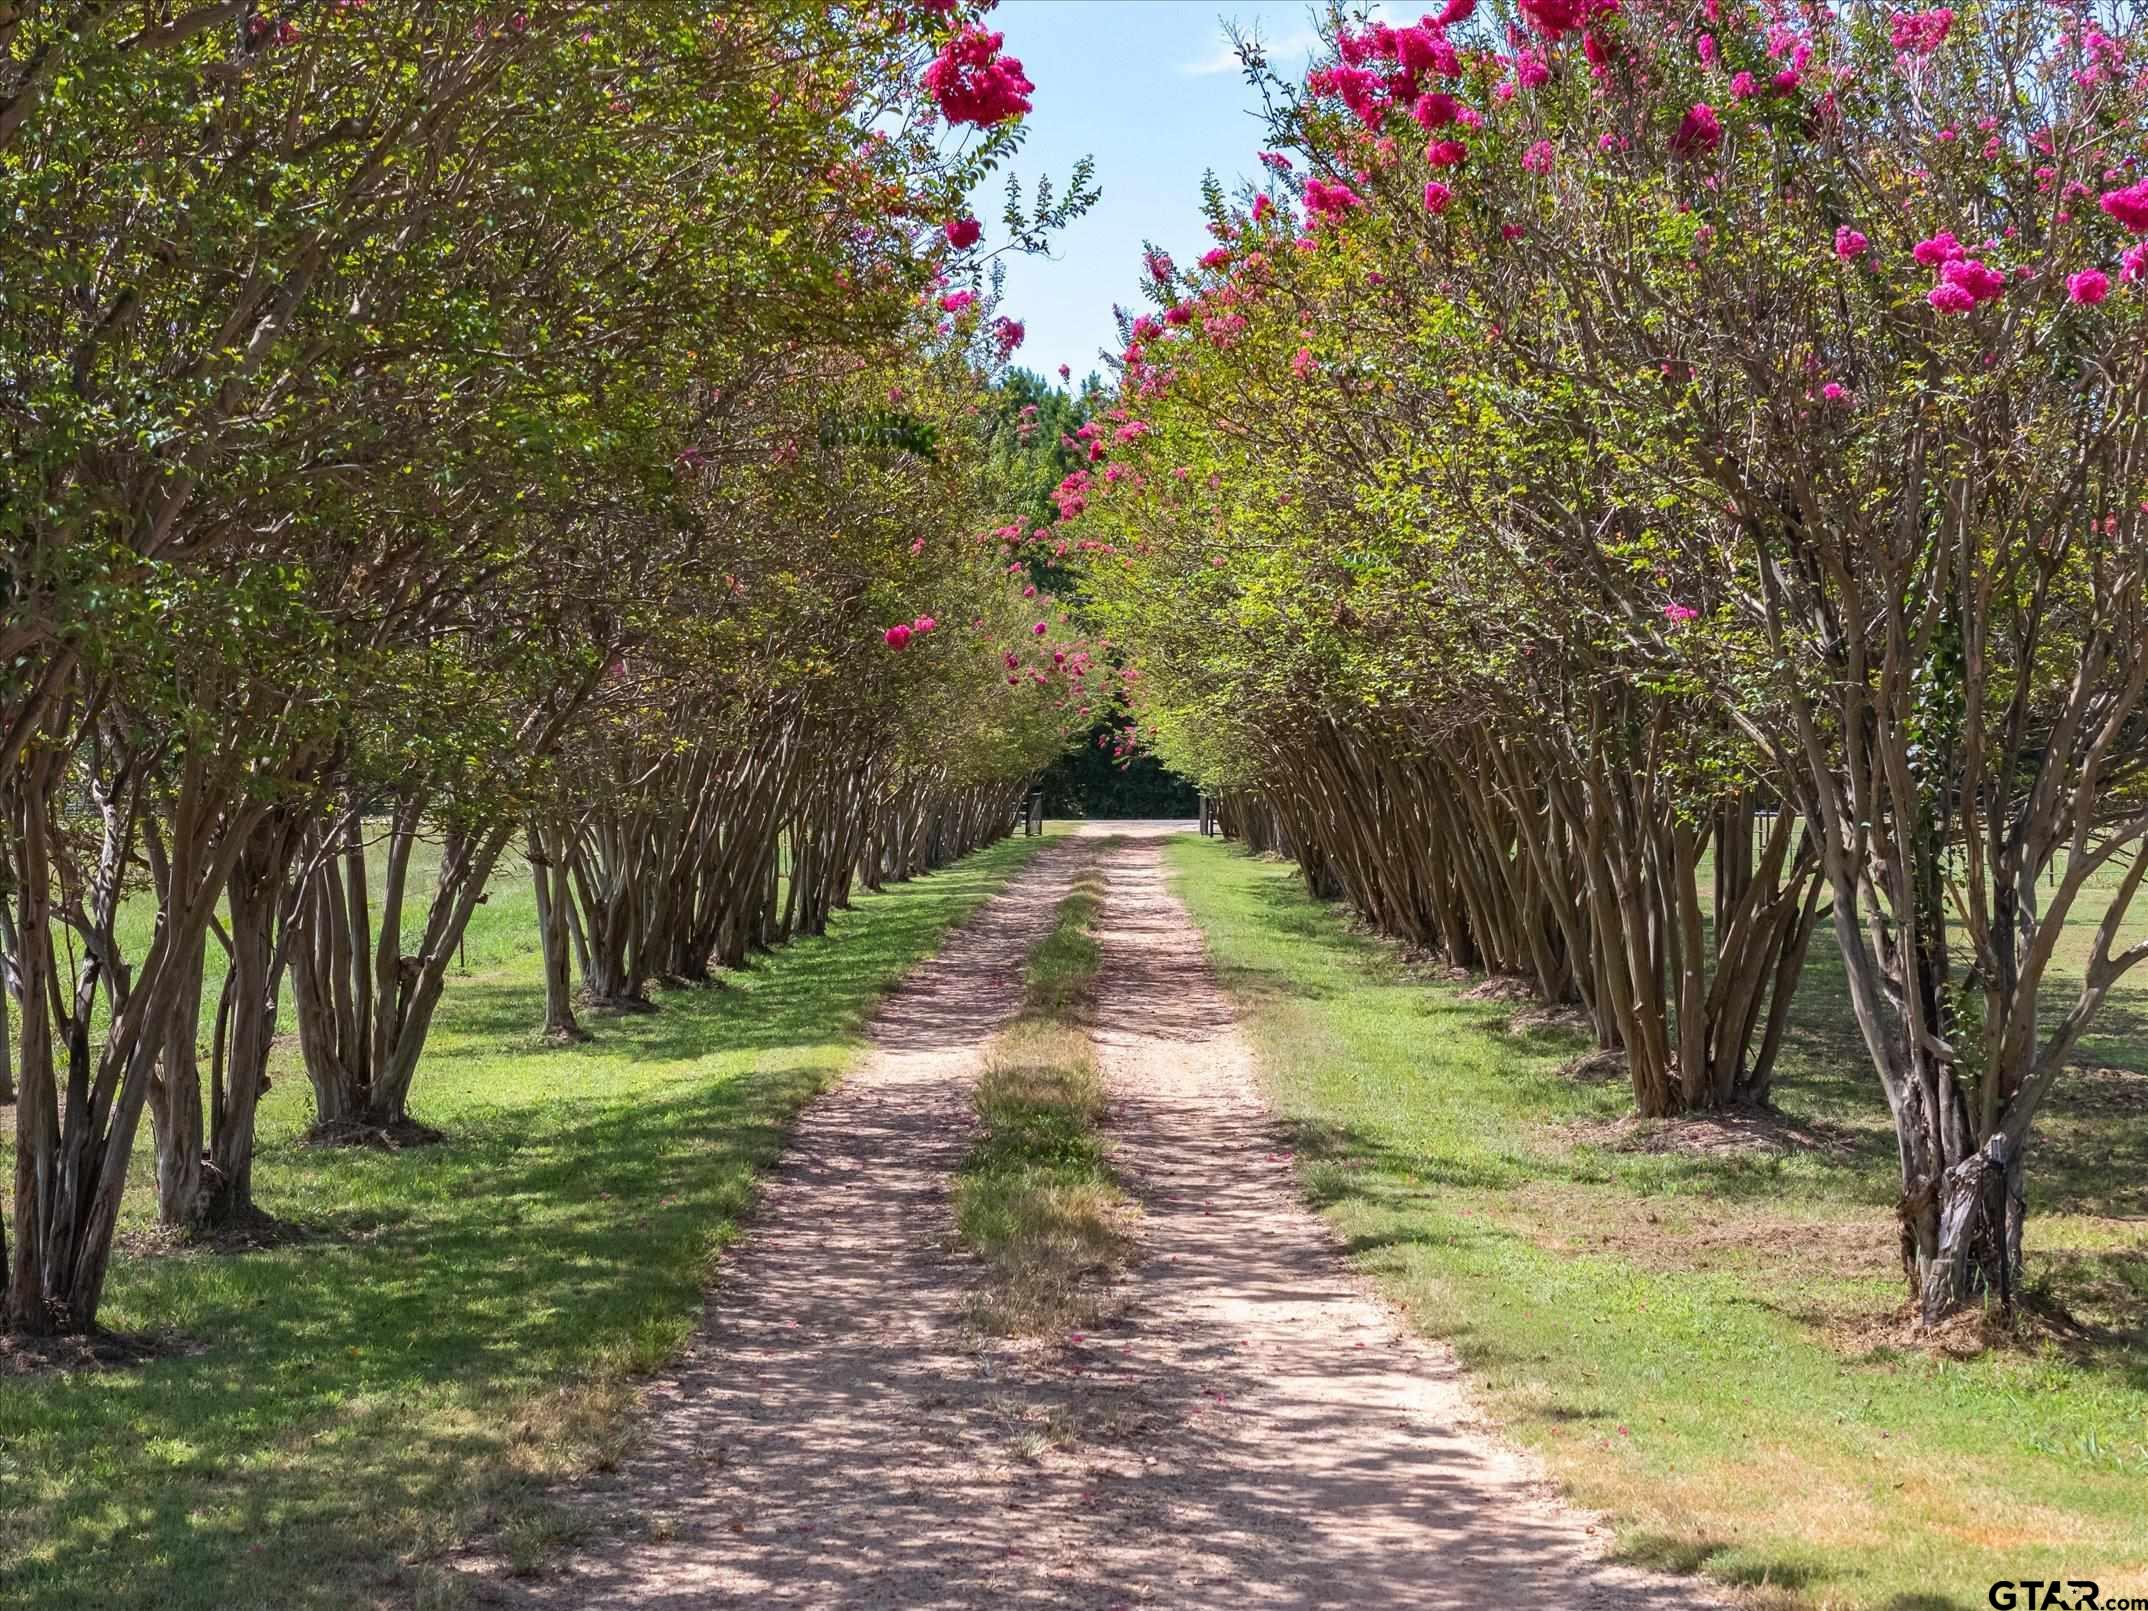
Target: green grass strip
[{"x": 1035, "y": 1197}]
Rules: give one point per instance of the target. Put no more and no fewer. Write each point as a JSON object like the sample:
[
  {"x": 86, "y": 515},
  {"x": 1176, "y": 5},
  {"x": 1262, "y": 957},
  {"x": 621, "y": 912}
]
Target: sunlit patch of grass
[
  {"x": 463, "y": 1323},
  {"x": 1676, "y": 1333},
  {"x": 1035, "y": 1198}
]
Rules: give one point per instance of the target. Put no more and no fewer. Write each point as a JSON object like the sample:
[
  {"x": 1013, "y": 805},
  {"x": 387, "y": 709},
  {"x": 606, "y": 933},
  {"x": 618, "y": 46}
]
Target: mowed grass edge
[
  {"x": 1661, "y": 1329},
  {"x": 459, "y": 1325}
]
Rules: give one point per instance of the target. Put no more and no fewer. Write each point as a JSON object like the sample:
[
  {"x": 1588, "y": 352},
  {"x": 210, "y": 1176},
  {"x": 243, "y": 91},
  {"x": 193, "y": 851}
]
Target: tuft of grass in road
[
  {"x": 1700, "y": 1346},
  {"x": 1035, "y": 1197},
  {"x": 457, "y": 1325}
]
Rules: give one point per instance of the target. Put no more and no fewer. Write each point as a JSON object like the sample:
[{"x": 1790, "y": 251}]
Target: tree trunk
[
  {"x": 549, "y": 874},
  {"x": 175, "y": 1109},
  {"x": 365, "y": 1006}
]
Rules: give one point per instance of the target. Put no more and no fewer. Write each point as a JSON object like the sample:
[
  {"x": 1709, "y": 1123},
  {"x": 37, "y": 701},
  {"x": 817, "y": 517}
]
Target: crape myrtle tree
[
  {"x": 339, "y": 347},
  {"x": 781, "y": 721},
  {"x": 1833, "y": 317},
  {"x": 1467, "y": 738}
]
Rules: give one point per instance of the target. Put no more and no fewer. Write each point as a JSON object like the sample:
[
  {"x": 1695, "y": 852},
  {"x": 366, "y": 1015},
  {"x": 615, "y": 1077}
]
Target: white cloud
[
  {"x": 1286, "y": 52},
  {"x": 1294, "y": 49}
]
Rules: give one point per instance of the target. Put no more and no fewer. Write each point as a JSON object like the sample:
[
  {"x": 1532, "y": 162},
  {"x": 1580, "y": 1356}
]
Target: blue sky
[{"x": 1149, "y": 88}]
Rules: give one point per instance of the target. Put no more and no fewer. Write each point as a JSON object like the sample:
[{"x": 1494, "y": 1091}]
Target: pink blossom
[
  {"x": 1940, "y": 249},
  {"x": 2133, "y": 262},
  {"x": 1699, "y": 130},
  {"x": 1538, "y": 158},
  {"x": 1679, "y": 612},
  {"x": 1970, "y": 273},
  {"x": 1446, "y": 153},
  {"x": 962, "y": 233},
  {"x": 1434, "y": 110},
  {"x": 1041, "y": 627},
  {"x": 1555, "y": 17},
  {"x": 1919, "y": 33},
  {"x": 923, "y": 623},
  {"x": 1742, "y": 87},
  {"x": 973, "y": 83},
  {"x": 897, "y": 636},
  {"x": 1833, "y": 391},
  {"x": 1704, "y": 48},
  {"x": 2129, "y": 206},
  {"x": 1950, "y": 299},
  {"x": 1323, "y": 200},
  {"x": 2090, "y": 286},
  {"x": 956, "y": 301},
  {"x": 1849, "y": 244},
  {"x": 1007, "y": 334},
  {"x": 1302, "y": 364},
  {"x": 1216, "y": 257},
  {"x": 1437, "y": 196}
]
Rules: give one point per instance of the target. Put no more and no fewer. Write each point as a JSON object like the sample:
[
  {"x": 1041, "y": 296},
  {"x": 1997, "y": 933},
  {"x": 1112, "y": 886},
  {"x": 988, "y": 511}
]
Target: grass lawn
[
  {"x": 457, "y": 1324},
  {"x": 1702, "y": 1345}
]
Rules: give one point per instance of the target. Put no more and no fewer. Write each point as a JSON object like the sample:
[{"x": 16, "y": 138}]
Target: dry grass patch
[
  {"x": 1691, "y": 1235},
  {"x": 1758, "y": 1130}
]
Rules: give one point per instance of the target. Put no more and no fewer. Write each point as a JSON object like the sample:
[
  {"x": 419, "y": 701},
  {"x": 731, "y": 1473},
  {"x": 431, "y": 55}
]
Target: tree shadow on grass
[{"x": 1721, "y": 1560}]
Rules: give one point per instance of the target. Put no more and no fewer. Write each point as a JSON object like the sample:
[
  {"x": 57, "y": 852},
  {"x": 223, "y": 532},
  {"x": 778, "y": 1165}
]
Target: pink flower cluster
[
  {"x": 1849, "y": 244},
  {"x": 2129, "y": 206},
  {"x": 898, "y": 636},
  {"x": 1324, "y": 200},
  {"x": 973, "y": 83},
  {"x": 1939, "y": 249},
  {"x": 1556, "y": 17},
  {"x": 1964, "y": 282},
  {"x": 1698, "y": 131},
  {"x": 1919, "y": 33},
  {"x": 962, "y": 233},
  {"x": 1410, "y": 54}
]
